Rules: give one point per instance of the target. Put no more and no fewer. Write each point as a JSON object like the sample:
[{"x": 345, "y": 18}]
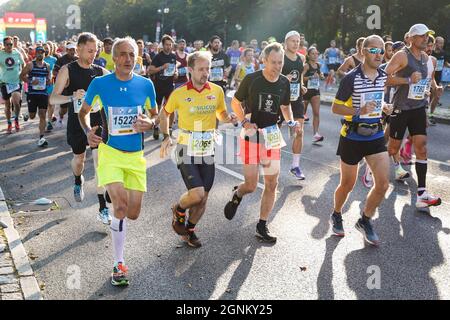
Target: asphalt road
[{"x": 306, "y": 263}]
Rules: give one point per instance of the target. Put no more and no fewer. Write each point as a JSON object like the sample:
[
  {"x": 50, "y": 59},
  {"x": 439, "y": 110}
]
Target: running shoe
[
  {"x": 42, "y": 142},
  {"x": 263, "y": 233},
  {"x": 119, "y": 277},
  {"x": 178, "y": 221},
  {"x": 78, "y": 191},
  {"x": 9, "y": 130},
  {"x": 232, "y": 206},
  {"x": 49, "y": 127},
  {"x": 401, "y": 174},
  {"x": 337, "y": 225},
  {"x": 26, "y": 117},
  {"x": 17, "y": 125},
  {"x": 367, "y": 178},
  {"x": 365, "y": 227},
  {"x": 427, "y": 200},
  {"x": 192, "y": 240},
  {"x": 306, "y": 118},
  {"x": 297, "y": 173},
  {"x": 104, "y": 216},
  {"x": 318, "y": 138}
]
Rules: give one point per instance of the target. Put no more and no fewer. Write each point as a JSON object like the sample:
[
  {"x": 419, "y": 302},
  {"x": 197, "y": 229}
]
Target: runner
[
  {"x": 164, "y": 67},
  {"x": 11, "y": 63},
  {"x": 353, "y": 61},
  {"x": 71, "y": 84},
  {"x": 332, "y": 55},
  {"x": 388, "y": 51},
  {"x": 139, "y": 67},
  {"x": 244, "y": 68},
  {"x": 51, "y": 61},
  {"x": 220, "y": 66},
  {"x": 412, "y": 71},
  {"x": 303, "y": 48},
  {"x": 265, "y": 92},
  {"x": 293, "y": 70},
  {"x": 443, "y": 60},
  {"x": 359, "y": 99},
  {"x": 234, "y": 54},
  {"x": 69, "y": 57},
  {"x": 311, "y": 77},
  {"x": 182, "y": 78},
  {"x": 106, "y": 54},
  {"x": 37, "y": 74},
  {"x": 196, "y": 165},
  {"x": 123, "y": 98}
]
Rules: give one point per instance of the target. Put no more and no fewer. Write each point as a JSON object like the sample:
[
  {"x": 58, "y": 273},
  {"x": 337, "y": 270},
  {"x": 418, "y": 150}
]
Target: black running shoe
[
  {"x": 365, "y": 227},
  {"x": 336, "y": 223},
  {"x": 263, "y": 233},
  {"x": 232, "y": 206},
  {"x": 192, "y": 240}
]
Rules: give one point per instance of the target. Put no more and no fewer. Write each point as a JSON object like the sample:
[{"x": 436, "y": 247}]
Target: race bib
[
  {"x": 216, "y": 74},
  {"x": 182, "y": 72},
  {"x": 378, "y": 97},
  {"x": 440, "y": 65},
  {"x": 170, "y": 71},
  {"x": 445, "y": 74},
  {"x": 42, "y": 83},
  {"x": 121, "y": 120},
  {"x": 314, "y": 83},
  {"x": 295, "y": 91},
  {"x": 273, "y": 138},
  {"x": 201, "y": 144},
  {"x": 332, "y": 60},
  {"x": 417, "y": 91},
  {"x": 77, "y": 104},
  {"x": 11, "y": 87},
  {"x": 234, "y": 60}
]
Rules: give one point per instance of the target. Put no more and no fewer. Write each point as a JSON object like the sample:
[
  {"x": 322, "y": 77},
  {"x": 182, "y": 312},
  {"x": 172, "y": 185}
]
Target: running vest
[
  {"x": 80, "y": 78},
  {"x": 403, "y": 98},
  {"x": 333, "y": 56},
  {"x": 40, "y": 74},
  {"x": 311, "y": 71},
  {"x": 357, "y": 61}
]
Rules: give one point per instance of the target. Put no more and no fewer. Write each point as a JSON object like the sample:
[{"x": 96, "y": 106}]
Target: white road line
[{"x": 236, "y": 175}]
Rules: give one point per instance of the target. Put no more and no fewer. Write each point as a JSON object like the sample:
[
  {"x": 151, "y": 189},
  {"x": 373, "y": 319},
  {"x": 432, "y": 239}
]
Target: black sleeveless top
[{"x": 80, "y": 78}]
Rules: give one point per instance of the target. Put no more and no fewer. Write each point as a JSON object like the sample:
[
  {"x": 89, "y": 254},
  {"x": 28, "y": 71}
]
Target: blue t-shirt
[
  {"x": 120, "y": 103},
  {"x": 355, "y": 88},
  {"x": 235, "y": 56},
  {"x": 51, "y": 60}
]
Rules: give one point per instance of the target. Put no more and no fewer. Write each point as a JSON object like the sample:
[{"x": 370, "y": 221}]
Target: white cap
[
  {"x": 291, "y": 34},
  {"x": 419, "y": 30},
  {"x": 71, "y": 45}
]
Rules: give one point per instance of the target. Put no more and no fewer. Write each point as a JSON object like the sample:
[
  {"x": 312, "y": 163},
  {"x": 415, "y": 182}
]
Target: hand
[
  {"x": 93, "y": 139},
  {"x": 289, "y": 76},
  {"x": 369, "y": 107},
  {"x": 165, "y": 66},
  {"x": 388, "y": 108},
  {"x": 165, "y": 147},
  {"x": 304, "y": 90},
  {"x": 439, "y": 90},
  {"x": 233, "y": 119},
  {"x": 35, "y": 82},
  {"x": 143, "y": 123},
  {"x": 416, "y": 77},
  {"x": 79, "y": 94},
  {"x": 250, "y": 129}
]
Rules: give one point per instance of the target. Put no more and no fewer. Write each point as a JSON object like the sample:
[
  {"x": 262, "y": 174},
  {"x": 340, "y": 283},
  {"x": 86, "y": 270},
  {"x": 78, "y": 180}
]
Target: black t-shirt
[
  {"x": 165, "y": 77},
  {"x": 219, "y": 61},
  {"x": 263, "y": 98},
  {"x": 295, "y": 69},
  {"x": 441, "y": 58},
  {"x": 61, "y": 62}
]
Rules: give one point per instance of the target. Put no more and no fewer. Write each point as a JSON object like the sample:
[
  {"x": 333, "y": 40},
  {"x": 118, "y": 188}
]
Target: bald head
[{"x": 373, "y": 41}]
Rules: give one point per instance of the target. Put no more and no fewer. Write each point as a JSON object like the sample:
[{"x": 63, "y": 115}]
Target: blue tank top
[{"x": 40, "y": 74}]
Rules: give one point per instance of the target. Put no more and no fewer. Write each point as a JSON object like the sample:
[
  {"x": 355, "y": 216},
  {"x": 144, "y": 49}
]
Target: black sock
[
  {"x": 41, "y": 136},
  {"x": 101, "y": 201},
  {"x": 337, "y": 213},
  {"x": 108, "y": 199},
  {"x": 180, "y": 210},
  {"x": 421, "y": 170},
  {"x": 365, "y": 218},
  {"x": 262, "y": 223},
  {"x": 191, "y": 226},
  {"x": 78, "y": 180}
]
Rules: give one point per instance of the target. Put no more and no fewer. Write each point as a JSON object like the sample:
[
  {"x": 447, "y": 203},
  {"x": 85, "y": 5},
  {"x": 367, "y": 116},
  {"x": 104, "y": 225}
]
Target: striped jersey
[
  {"x": 38, "y": 75},
  {"x": 356, "y": 88}
]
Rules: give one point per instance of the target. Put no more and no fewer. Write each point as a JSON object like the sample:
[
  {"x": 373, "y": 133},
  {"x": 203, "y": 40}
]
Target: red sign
[{"x": 20, "y": 20}]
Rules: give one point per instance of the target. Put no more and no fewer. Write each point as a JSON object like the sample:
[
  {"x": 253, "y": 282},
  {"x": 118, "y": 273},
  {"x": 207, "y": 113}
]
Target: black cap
[{"x": 398, "y": 45}]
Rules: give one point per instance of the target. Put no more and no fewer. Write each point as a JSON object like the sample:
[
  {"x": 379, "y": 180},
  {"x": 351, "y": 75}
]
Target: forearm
[
  {"x": 394, "y": 81},
  {"x": 287, "y": 113},
  {"x": 237, "y": 109},
  {"x": 154, "y": 70},
  {"x": 164, "y": 122},
  {"x": 343, "y": 110},
  {"x": 85, "y": 121},
  {"x": 60, "y": 99}
]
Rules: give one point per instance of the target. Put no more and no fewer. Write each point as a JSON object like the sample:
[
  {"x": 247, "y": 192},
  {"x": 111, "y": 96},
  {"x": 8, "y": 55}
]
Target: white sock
[
  {"x": 118, "y": 230},
  {"x": 296, "y": 161}
]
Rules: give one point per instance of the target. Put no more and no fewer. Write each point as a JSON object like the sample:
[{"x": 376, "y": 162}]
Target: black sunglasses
[{"x": 9, "y": 44}]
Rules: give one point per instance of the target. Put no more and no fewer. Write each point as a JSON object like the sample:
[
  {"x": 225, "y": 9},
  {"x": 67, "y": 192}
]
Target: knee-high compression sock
[{"x": 118, "y": 231}]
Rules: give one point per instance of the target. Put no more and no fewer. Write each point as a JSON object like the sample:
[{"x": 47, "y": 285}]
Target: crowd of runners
[{"x": 113, "y": 91}]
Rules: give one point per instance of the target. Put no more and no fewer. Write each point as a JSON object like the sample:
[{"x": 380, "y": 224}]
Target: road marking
[{"x": 236, "y": 175}]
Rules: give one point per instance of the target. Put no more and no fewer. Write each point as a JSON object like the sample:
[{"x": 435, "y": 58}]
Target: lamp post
[
  {"x": 342, "y": 24},
  {"x": 162, "y": 12},
  {"x": 107, "y": 30}
]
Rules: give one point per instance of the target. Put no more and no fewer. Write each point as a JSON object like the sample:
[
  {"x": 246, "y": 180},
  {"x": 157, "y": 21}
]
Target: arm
[
  {"x": 302, "y": 87},
  {"x": 25, "y": 71},
  {"x": 62, "y": 81},
  {"x": 85, "y": 122},
  {"x": 398, "y": 62},
  {"x": 345, "y": 67}
]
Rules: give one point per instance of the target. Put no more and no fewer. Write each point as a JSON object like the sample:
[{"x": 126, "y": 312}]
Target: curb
[{"x": 28, "y": 283}]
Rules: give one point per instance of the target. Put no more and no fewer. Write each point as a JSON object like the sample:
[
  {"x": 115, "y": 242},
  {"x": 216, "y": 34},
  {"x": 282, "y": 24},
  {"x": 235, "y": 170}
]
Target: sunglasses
[
  {"x": 8, "y": 44},
  {"x": 375, "y": 50}
]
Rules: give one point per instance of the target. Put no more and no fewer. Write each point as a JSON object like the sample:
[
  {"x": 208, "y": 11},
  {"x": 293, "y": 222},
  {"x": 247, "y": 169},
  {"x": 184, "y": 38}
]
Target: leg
[
  {"x": 100, "y": 190},
  {"x": 251, "y": 174},
  {"x": 134, "y": 204},
  {"x": 196, "y": 212},
  {"x": 379, "y": 164},
  {"x": 16, "y": 99},
  {"x": 8, "y": 110},
  {"x": 42, "y": 117},
  {"x": 315, "y": 103},
  {"x": 420, "y": 147},
  {"x": 271, "y": 174},
  {"x": 78, "y": 164},
  {"x": 349, "y": 174}
]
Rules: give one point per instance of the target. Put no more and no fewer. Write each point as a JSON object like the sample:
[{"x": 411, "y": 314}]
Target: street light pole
[{"x": 342, "y": 24}]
